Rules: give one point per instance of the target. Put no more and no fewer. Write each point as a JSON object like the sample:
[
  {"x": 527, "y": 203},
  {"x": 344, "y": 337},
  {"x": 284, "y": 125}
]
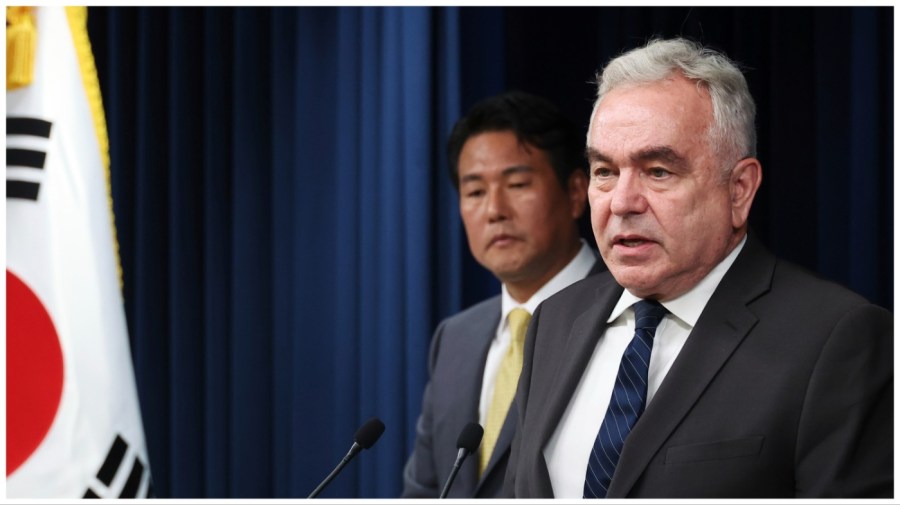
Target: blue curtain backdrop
[{"x": 289, "y": 238}]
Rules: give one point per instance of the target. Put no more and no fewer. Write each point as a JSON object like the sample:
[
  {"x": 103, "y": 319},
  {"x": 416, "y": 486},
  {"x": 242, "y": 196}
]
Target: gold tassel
[{"x": 21, "y": 39}]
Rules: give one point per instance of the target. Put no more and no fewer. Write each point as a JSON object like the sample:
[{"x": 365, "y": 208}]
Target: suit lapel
[
  {"x": 722, "y": 326},
  {"x": 507, "y": 432},
  {"x": 579, "y": 348},
  {"x": 471, "y": 371}
]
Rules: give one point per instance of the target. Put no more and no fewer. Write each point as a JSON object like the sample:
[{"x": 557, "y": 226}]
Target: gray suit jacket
[
  {"x": 784, "y": 388},
  {"x": 458, "y": 352}
]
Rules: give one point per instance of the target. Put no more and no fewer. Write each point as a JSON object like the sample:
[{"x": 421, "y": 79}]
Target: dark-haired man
[{"x": 518, "y": 165}]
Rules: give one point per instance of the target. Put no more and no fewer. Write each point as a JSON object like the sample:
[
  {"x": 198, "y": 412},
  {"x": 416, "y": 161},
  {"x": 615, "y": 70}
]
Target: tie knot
[
  {"x": 518, "y": 323},
  {"x": 648, "y": 314}
]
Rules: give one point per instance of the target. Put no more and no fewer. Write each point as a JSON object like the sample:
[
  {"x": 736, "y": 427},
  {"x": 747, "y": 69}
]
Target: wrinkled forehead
[{"x": 666, "y": 112}]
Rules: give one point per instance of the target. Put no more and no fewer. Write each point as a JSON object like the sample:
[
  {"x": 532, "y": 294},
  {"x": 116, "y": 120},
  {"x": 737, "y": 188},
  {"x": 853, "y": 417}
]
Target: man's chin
[
  {"x": 503, "y": 264},
  {"x": 511, "y": 272},
  {"x": 508, "y": 274},
  {"x": 637, "y": 284}
]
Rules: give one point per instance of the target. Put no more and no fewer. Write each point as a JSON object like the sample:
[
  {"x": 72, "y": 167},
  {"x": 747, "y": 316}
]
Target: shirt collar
[
  {"x": 690, "y": 305},
  {"x": 576, "y": 270}
]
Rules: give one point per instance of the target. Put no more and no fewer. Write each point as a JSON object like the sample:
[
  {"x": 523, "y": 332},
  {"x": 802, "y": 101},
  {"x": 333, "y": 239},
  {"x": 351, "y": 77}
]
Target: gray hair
[{"x": 733, "y": 132}]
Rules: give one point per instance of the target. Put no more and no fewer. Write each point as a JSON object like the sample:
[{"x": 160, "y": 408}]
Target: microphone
[
  {"x": 468, "y": 441},
  {"x": 365, "y": 437}
]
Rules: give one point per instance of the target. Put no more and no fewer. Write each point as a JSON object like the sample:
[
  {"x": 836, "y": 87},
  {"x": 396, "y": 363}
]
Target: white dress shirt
[
  {"x": 576, "y": 270},
  {"x": 568, "y": 450}
]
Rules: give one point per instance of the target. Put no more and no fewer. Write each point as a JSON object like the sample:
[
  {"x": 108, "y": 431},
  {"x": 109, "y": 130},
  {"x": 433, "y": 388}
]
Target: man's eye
[
  {"x": 519, "y": 184},
  {"x": 659, "y": 173},
  {"x": 475, "y": 193}
]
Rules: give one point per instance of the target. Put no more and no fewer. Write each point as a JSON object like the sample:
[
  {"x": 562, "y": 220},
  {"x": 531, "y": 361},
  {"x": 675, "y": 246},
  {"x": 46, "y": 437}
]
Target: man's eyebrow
[
  {"x": 594, "y": 155},
  {"x": 470, "y": 178},
  {"x": 664, "y": 154},
  {"x": 661, "y": 153},
  {"x": 515, "y": 169}
]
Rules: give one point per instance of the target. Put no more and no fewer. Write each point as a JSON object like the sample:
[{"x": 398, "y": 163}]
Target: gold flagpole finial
[{"x": 21, "y": 39}]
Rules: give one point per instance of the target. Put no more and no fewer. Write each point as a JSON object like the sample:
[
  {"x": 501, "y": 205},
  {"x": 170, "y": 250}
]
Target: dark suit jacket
[
  {"x": 784, "y": 388},
  {"x": 458, "y": 352}
]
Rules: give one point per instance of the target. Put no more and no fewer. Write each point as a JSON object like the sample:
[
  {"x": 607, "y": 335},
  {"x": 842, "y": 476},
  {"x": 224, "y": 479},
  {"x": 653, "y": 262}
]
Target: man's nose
[
  {"x": 628, "y": 195},
  {"x": 498, "y": 204}
]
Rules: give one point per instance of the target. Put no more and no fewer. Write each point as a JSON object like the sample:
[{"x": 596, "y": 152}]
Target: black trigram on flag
[
  {"x": 26, "y": 153},
  {"x": 112, "y": 483}
]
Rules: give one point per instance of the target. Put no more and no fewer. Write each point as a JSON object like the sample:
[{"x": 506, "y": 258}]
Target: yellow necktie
[{"x": 505, "y": 385}]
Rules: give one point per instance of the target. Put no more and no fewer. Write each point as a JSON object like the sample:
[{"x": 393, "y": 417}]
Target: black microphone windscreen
[
  {"x": 470, "y": 437},
  {"x": 368, "y": 433}
]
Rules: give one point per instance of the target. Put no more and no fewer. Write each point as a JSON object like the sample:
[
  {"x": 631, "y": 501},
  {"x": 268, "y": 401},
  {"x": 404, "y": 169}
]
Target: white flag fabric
[{"x": 73, "y": 422}]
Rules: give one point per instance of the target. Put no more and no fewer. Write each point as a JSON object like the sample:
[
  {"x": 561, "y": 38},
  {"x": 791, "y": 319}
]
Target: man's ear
[
  {"x": 578, "y": 183},
  {"x": 743, "y": 182}
]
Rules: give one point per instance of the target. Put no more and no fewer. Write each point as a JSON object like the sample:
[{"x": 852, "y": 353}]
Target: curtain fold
[
  {"x": 213, "y": 426},
  {"x": 275, "y": 180},
  {"x": 290, "y": 239}
]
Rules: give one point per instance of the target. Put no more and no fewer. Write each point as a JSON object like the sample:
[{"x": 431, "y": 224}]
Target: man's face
[
  {"x": 662, "y": 210},
  {"x": 518, "y": 220}
]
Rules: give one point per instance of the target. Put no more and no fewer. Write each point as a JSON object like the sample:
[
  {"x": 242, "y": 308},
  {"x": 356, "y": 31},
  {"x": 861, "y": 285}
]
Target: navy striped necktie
[{"x": 628, "y": 399}]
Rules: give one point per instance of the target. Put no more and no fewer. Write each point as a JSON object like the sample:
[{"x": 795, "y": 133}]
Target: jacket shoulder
[
  {"x": 482, "y": 310},
  {"x": 584, "y": 289}
]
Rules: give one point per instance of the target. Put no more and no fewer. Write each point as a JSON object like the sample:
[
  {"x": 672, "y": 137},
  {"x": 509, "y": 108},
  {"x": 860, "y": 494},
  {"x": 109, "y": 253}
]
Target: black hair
[{"x": 534, "y": 121}]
